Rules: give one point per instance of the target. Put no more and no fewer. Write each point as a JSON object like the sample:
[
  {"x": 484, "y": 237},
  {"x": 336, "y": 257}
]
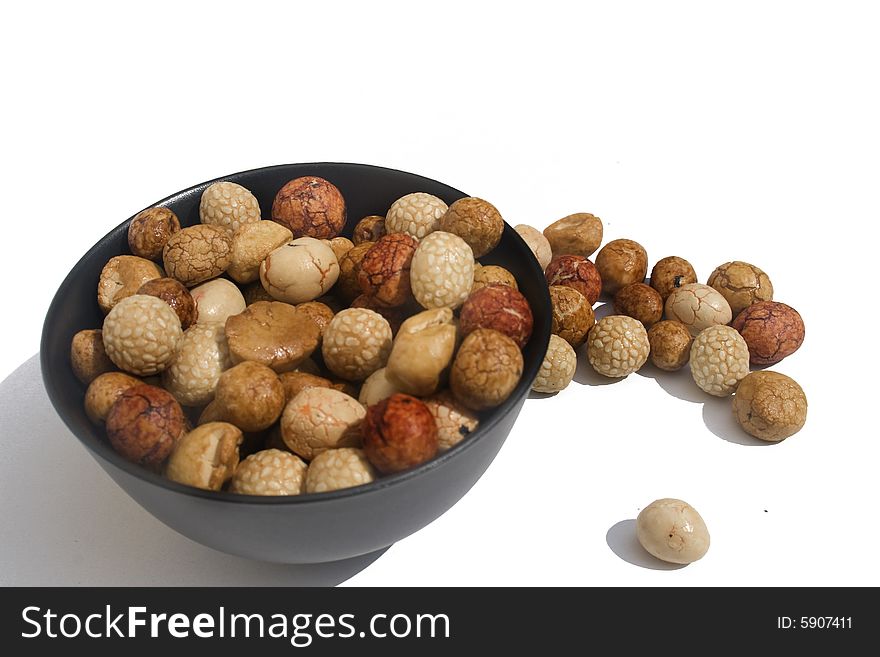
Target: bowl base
[
  {"x": 327, "y": 573},
  {"x": 349, "y": 563}
]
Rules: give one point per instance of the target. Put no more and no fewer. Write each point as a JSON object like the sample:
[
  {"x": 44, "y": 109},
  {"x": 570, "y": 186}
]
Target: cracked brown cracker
[
  {"x": 770, "y": 406},
  {"x": 150, "y": 230},
  {"x": 501, "y": 308},
  {"x": 671, "y": 273},
  {"x": 197, "y": 254},
  {"x": 772, "y": 330},
  {"x": 741, "y": 284},
  {"x": 175, "y": 294},
  {"x": 144, "y": 423},
  {"x": 670, "y": 345},
  {"x": 572, "y": 314},
  {"x": 488, "y": 274},
  {"x": 310, "y": 207},
  {"x": 641, "y": 302},
  {"x": 621, "y": 262},
  {"x": 399, "y": 433},
  {"x": 347, "y": 286},
  {"x": 486, "y": 369},
  {"x": 122, "y": 277},
  {"x": 476, "y": 221},
  {"x": 384, "y": 272},
  {"x": 575, "y": 272},
  {"x": 368, "y": 229}
]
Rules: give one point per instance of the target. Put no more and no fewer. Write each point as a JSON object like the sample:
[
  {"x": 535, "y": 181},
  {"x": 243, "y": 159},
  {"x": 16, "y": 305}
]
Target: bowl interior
[{"x": 367, "y": 190}]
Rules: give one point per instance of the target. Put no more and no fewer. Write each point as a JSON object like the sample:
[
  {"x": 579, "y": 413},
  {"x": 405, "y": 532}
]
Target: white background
[{"x": 749, "y": 133}]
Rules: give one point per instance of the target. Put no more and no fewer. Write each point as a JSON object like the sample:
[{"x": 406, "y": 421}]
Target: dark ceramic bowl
[{"x": 306, "y": 528}]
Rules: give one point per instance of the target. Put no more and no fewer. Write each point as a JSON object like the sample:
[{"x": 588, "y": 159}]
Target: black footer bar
[{"x": 432, "y": 621}]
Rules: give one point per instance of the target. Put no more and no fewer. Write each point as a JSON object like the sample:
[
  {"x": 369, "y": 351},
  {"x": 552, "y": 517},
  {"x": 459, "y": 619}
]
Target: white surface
[{"x": 744, "y": 134}]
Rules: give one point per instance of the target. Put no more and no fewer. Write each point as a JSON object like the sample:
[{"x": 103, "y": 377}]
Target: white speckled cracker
[
  {"x": 202, "y": 356},
  {"x": 141, "y": 334},
  {"x": 417, "y": 214},
  {"x": 617, "y": 346},
  {"x": 228, "y": 205},
  {"x": 269, "y": 472},
  {"x": 442, "y": 271},
  {"x": 719, "y": 360},
  {"x": 356, "y": 343},
  {"x": 558, "y": 367},
  {"x": 339, "y": 468}
]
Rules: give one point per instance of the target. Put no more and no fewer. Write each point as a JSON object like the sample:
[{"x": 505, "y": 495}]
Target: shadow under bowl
[{"x": 306, "y": 528}]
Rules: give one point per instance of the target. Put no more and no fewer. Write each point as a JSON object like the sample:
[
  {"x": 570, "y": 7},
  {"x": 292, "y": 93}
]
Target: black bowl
[{"x": 306, "y": 528}]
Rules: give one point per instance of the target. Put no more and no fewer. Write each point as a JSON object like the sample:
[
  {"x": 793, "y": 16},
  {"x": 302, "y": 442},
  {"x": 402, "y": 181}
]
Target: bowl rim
[{"x": 530, "y": 371}]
